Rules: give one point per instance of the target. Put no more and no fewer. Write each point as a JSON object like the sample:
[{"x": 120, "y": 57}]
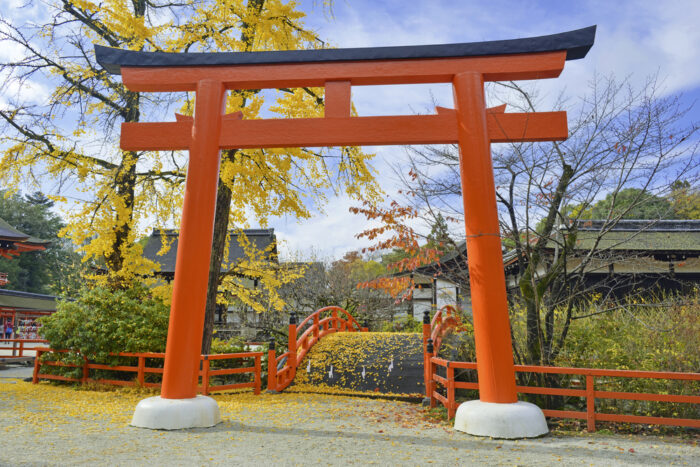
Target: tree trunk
[
  {"x": 223, "y": 208},
  {"x": 125, "y": 186}
]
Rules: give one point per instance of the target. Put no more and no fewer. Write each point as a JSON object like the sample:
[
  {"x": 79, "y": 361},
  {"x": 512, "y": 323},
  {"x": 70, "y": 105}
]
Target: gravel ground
[{"x": 56, "y": 425}]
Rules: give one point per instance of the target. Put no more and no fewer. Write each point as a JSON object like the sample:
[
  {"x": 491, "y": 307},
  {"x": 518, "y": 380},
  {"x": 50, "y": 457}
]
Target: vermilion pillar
[
  {"x": 182, "y": 354},
  {"x": 494, "y": 351}
]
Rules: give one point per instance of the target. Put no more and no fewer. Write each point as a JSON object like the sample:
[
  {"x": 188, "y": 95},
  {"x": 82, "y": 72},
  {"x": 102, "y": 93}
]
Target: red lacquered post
[
  {"x": 494, "y": 351},
  {"x": 182, "y": 353}
]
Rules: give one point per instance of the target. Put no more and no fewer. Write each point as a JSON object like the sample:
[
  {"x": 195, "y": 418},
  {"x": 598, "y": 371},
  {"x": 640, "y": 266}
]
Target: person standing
[{"x": 8, "y": 329}]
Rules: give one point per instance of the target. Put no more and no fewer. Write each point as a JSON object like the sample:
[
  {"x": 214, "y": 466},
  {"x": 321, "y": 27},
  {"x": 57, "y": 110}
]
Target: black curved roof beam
[{"x": 576, "y": 44}]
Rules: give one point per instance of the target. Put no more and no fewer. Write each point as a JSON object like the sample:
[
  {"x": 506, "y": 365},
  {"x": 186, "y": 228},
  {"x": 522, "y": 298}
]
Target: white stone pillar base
[
  {"x": 517, "y": 420},
  {"x": 157, "y": 413}
]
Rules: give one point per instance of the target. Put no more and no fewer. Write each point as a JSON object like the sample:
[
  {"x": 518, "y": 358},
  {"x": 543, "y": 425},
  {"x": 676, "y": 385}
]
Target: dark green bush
[
  {"x": 103, "y": 321},
  {"x": 219, "y": 346}
]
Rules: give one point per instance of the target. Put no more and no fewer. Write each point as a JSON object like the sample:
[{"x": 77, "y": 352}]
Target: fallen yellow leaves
[{"x": 352, "y": 363}]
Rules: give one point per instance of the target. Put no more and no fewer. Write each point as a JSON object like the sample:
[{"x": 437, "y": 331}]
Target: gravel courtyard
[{"x": 55, "y": 425}]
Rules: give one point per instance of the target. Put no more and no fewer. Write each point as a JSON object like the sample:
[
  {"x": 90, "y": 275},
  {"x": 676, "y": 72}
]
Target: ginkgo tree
[{"x": 69, "y": 137}]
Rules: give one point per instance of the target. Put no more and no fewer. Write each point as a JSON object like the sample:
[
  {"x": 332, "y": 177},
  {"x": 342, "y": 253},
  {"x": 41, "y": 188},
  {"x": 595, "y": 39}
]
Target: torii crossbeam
[{"x": 474, "y": 127}]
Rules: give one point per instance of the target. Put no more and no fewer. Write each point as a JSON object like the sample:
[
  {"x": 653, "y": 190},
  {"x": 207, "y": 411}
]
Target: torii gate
[{"x": 467, "y": 66}]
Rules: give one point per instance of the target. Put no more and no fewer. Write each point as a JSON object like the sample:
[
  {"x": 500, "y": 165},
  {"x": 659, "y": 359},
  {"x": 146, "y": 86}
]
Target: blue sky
[{"x": 634, "y": 39}]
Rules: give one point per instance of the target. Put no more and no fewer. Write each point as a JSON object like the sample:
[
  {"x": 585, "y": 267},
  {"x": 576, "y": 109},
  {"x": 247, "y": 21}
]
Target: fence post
[
  {"x": 271, "y": 366},
  {"x": 86, "y": 370},
  {"x": 431, "y": 372},
  {"x": 205, "y": 375},
  {"x": 316, "y": 326},
  {"x": 21, "y": 348},
  {"x": 426, "y": 356},
  {"x": 292, "y": 345},
  {"x": 590, "y": 403},
  {"x": 37, "y": 365},
  {"x": 451, "y": 403},
  {"x": 258, "y": 370},
  {"x": 141, "y": 370}
]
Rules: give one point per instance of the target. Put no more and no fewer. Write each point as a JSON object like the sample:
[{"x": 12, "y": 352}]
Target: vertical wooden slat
[
  {"x": 590, "y": 403},
  {"x": 271, "y": 370},
  {"x": 141, "y": 370},
  {"x": 258, "y": 376},
  {"x": 37, "y": 366},
  {"x": 451, "y": 403},
  {"x": 86, "y": 370},
  {"x": 292, "y": 346},
  {"x": 205, "y": 376}
]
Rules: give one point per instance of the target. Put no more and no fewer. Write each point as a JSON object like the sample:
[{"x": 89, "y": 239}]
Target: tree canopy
[{"x": 70, "y": 136}]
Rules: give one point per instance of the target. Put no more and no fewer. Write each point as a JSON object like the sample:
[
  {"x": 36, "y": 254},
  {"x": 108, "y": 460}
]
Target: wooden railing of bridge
[{"x": 313, "y": 328}]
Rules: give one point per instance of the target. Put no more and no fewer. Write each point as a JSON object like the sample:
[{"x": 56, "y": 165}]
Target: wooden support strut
[{"x": 338, "y": 99}]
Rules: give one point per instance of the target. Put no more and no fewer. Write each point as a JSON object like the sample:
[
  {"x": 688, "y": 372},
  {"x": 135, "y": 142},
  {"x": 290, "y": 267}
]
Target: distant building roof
[
  {"x": 640, "y": 235},
  {"x": 13, "y": 242},
  {"x": 260, "y": 238},
  {"x": 27, "y": 300},
  {"x": 7, "y": 232},
  {"x": 660, "y": 236}
]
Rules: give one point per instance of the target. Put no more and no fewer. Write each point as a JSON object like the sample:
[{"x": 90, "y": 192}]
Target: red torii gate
[{"x": 467, "y": 66}]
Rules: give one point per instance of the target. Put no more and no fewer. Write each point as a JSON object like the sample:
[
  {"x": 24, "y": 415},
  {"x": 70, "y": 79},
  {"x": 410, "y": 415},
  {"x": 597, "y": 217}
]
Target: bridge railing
[
  {"x": 434, "y": 329},
  {"x": 313, "y": 328},
  {"x": 141, "y": 370}
]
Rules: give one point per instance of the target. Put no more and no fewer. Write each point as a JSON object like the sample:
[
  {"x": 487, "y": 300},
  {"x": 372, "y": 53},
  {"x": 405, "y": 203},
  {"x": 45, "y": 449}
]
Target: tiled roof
[
  {"x": 27, "y": 300},
  {"x": 261, "y": 238},
  {"x": 640, "y": 235}
]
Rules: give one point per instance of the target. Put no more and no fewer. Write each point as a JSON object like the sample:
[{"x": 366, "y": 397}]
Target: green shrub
[
  {"x": 641, "y": 336},
  {"x": 103, "y": 321},
  {"x": 236, "y": 345},
  {"x": 407, "y": 324}
]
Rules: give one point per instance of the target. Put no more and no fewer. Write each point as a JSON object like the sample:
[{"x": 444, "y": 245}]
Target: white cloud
[
  {"x": 331, "y": 234},
  {"x": 29, "y": 91}
]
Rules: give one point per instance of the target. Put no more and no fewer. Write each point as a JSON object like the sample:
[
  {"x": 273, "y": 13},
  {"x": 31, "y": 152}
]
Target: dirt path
[{"x": 52, "y": 425}]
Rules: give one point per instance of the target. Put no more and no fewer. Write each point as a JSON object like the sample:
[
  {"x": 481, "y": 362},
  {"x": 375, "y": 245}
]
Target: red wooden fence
[
  {"x": 141, "y": 370},
  {"x": 19, "y": 347},
  {"x": 589, "y": 392}
]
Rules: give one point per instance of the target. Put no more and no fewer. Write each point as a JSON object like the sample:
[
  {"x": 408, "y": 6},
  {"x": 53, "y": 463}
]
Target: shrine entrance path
[{"x": 55, "y": 425}]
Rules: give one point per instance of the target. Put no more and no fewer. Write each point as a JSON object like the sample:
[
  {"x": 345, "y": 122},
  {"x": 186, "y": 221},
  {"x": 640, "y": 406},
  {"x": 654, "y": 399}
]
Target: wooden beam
[
  {"x": 338, "y": 99},
  {"x": 372, "y": 72},
  {"x": 355, "y": 131}
]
